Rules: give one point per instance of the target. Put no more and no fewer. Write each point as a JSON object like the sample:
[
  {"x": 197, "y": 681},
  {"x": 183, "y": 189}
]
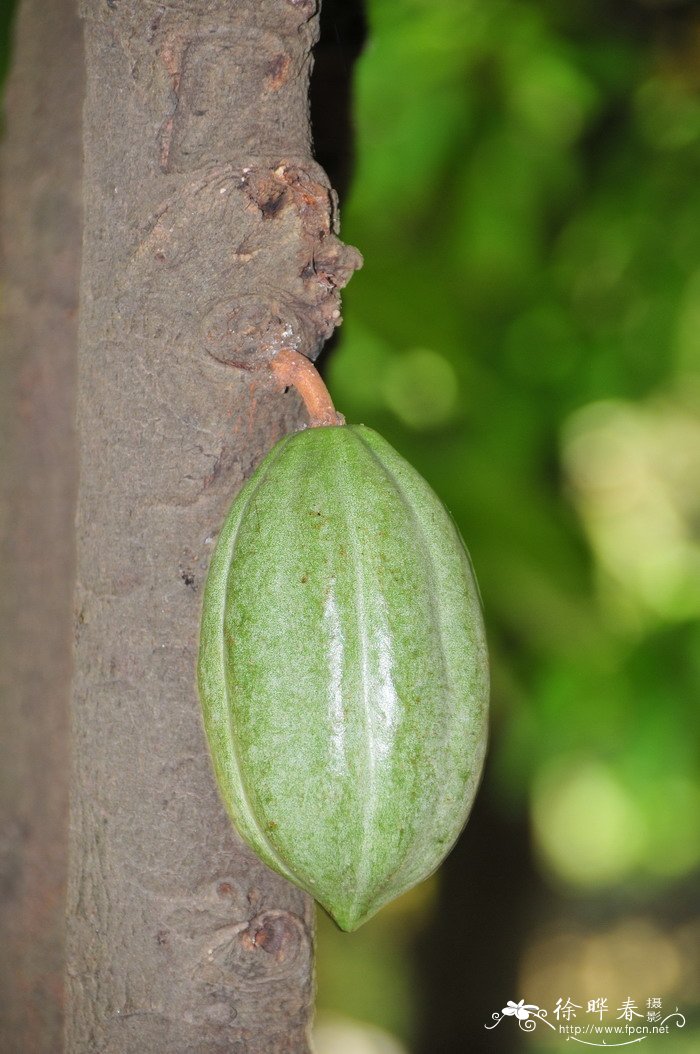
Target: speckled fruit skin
[{"x": 343, "y": 670}]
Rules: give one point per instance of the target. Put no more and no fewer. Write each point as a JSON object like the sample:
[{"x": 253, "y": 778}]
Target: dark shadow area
[
  {"x": 7, "y": 15},
  {"x": 343, "y": 33},
  {"x": 469, "y": 955}
]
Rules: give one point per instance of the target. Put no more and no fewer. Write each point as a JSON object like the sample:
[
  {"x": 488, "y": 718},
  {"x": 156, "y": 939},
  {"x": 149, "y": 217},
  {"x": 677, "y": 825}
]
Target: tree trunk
[
  {"x": 40, "y": 230},
  {"x": 209, "y": 240}
]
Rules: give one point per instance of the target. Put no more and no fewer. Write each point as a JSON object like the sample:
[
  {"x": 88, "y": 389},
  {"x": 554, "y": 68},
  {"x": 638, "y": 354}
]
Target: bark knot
[{"x": 274, "y": 933}]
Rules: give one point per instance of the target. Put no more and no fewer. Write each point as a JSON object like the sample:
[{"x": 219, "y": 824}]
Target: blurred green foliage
[{"x": 526, "y": 330}]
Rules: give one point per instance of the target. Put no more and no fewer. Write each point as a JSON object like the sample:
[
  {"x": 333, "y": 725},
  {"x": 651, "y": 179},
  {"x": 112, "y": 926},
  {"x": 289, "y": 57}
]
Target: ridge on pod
[{"x": 343, "y": 670}]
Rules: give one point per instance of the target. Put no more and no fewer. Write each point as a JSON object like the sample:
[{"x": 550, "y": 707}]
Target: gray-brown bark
[
  {"x": 40, "y": 230},
  {"x": 208, "y": 240}
]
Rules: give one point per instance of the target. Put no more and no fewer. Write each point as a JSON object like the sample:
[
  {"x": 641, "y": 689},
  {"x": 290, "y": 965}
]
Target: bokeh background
[{"x": 523, "y": 179}]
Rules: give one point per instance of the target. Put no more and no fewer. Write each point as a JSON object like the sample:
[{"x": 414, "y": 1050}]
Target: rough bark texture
[
  {"x": 209, "y": 239},
  {"x": 40, "y": 229}
]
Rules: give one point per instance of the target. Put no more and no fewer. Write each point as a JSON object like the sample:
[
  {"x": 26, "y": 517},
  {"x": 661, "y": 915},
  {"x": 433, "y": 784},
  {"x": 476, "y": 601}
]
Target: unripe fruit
[{"x": 343, "y": 670}]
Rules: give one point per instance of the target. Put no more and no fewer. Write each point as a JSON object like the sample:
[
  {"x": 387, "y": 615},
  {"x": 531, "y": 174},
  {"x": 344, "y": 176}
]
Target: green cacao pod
[{"x": 343, "y": 670}]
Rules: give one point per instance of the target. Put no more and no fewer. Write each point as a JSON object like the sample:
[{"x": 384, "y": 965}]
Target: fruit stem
[{"x": 291, "y": 368}]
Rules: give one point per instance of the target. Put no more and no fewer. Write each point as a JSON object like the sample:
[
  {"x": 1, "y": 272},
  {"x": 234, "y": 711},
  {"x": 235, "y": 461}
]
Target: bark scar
[{"x": 172, "y": 55}]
